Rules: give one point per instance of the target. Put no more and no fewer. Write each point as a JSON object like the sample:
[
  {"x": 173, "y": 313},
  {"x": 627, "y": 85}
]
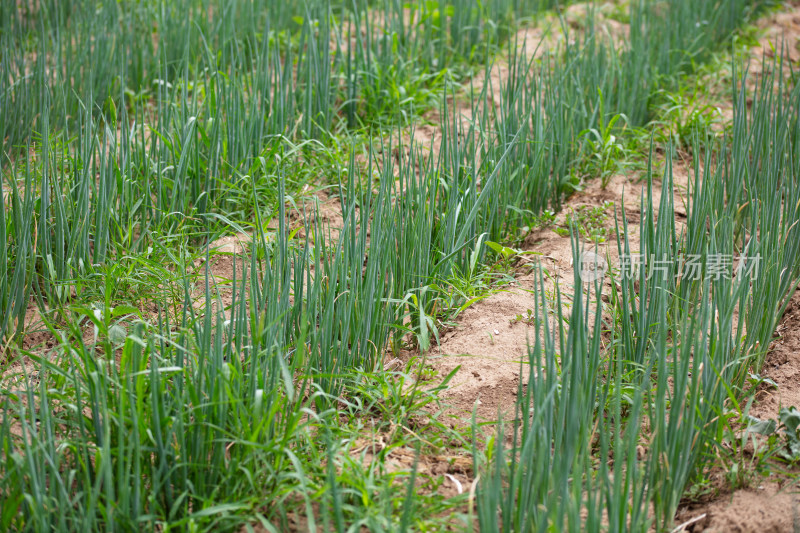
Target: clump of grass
[{"x": 591, "y": 222}]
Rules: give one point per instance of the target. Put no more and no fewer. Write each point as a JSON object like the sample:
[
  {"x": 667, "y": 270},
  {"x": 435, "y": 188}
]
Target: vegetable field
[{"x": 383, "y": 265}]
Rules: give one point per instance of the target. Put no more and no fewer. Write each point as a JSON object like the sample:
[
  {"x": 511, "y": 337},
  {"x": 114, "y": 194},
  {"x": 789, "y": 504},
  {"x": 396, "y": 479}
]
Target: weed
[
  {"x": 527, "y": 318},
  {"x": 607, "y": 152},
  {"x": 591, "y": 222}
]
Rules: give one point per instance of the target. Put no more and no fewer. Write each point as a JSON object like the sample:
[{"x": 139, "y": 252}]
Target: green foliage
[
  {"x": 170, "y": 399},
  {"x": 591, "y": 222},
  {"x": 606, "y": 152},
  {"x": 683, "y": 118},
  {"x": 676, "y": 363},
  {"x": 787, "y": 427}
]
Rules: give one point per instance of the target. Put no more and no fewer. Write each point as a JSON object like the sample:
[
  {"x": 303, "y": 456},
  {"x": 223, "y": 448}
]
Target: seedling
[
  {"x": 526, "y": 318},
  {"x": 591, "y": 221}
]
